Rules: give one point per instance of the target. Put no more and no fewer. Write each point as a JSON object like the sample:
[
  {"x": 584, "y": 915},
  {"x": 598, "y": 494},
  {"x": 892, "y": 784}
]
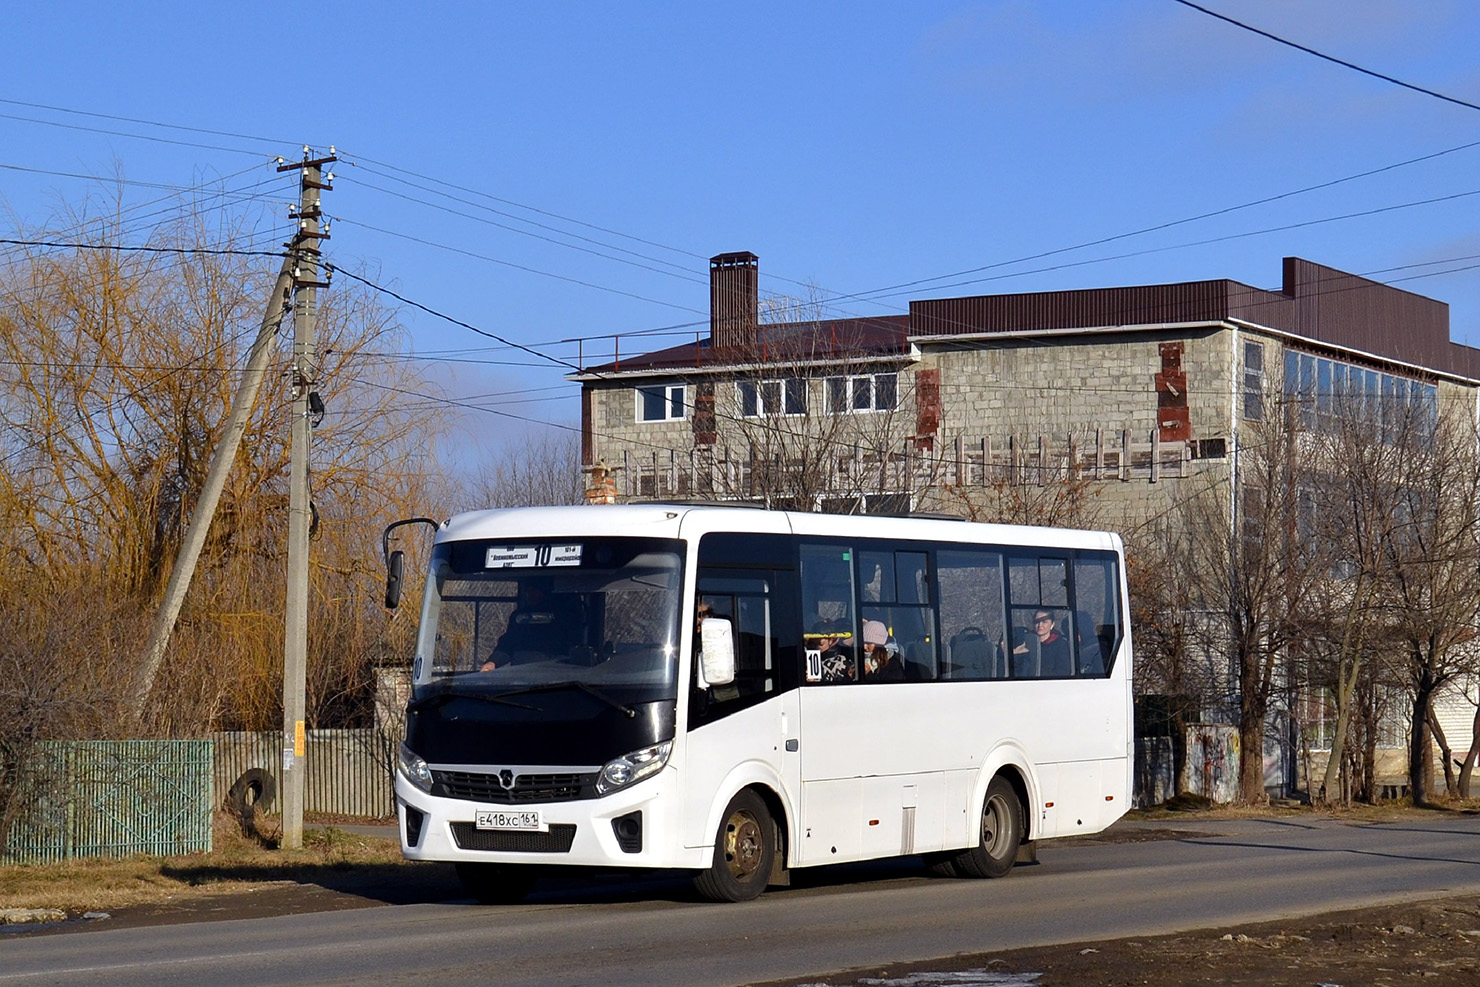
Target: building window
[
  {"x": 1328, "y": 394},
  {"x": 764, "y": 398},
  {"x": 661, "y": 403},
  {"x": 1254, "y": 382},
  {"x": 868, "y": 392}
]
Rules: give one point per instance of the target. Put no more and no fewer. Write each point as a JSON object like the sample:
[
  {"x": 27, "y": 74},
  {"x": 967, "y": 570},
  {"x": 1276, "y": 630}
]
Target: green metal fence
[
  {"x": 347, "y": 772},
  {"x": 102, "y": 798}
]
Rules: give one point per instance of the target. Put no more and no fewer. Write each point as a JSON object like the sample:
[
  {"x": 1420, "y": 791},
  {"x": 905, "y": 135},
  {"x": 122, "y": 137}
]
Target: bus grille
[
  {"x": 476, "y": 786},
  {"x": 557, "y": 840}
]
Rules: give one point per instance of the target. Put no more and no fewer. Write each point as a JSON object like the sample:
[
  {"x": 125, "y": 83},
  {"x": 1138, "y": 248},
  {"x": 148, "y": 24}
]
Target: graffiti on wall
[{"x": 1212, "y": 761}]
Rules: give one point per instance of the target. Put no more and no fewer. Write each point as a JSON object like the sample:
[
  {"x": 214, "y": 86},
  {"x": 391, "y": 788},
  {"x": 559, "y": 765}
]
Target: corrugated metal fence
[
  {"x": 349, "y": 771},
  {"x": 111, "y": 798}
]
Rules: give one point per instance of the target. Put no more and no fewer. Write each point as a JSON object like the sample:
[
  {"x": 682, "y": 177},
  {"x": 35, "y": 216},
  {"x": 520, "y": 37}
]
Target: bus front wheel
[
  {"x": 496, "y": 884},
  {"x": 1002, "y": 832},
  {"x": 744, "y": 851}
]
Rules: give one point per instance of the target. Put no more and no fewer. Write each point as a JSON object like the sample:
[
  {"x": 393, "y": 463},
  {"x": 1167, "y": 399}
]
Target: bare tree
[
  {"x": 1353, "y": 489},
  {"x": 1059, "y": 502},
  {"x": 1174, "y": 658},
  {"x": 1252, "y": 566},
  {"x": 811, "y": 416},
  {"x": 116, "y": 370},
  {"x": 1433, "y": 563},
  {"x": 543, "y": 469}
]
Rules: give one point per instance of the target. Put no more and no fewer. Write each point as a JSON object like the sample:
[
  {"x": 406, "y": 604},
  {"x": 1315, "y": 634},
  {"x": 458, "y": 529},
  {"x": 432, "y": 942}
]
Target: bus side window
[
  {"x": 745, "y": 602},
  {"x": 1043, "y": 638},
  {"x": 969, "y": 588},
  {"x": 876, "y": 577},
  {"x": 829, "y": 623},
  {"x": 1097, "y": 611}
]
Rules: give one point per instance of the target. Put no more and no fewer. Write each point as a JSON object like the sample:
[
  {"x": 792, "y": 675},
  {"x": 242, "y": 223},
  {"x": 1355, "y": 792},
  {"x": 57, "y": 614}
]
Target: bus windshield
[{"x": 594, "y": 613}]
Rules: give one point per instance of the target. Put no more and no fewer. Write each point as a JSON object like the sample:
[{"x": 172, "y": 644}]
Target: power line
[
  {"x": 681, "y": 269},
  {"x": 1211, "y": 240},
  {"x": 519, "y": 205},
  {"x": 1158, "y": 227},
  {"x": 123, "y": 133},
  {"x": 518, "y": 267},
  {"x": 448, "y": 318},
  {"x": 137, "y": 248},
  {"x": 148, "y": 123},
  {"x": 128, "y": 223},
  {"x": 1330, "y": 58}
]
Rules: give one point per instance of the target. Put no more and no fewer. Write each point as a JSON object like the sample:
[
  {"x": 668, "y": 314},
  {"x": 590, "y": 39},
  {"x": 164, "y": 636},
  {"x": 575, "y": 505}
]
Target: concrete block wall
[{"x": 1073, "y": 385}]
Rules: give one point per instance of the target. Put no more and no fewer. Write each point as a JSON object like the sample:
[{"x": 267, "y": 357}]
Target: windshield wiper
[
  {"x": 572, "y": 684},
  {"x": 447, "y": 695}
]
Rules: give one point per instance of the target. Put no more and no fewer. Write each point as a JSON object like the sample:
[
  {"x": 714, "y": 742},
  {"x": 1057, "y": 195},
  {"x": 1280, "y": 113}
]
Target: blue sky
[{"x": 851, "y": 146}]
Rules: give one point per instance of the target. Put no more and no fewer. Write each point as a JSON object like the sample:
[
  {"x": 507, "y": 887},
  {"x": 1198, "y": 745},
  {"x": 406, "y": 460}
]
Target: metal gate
[{"x": 108, "y": 798}]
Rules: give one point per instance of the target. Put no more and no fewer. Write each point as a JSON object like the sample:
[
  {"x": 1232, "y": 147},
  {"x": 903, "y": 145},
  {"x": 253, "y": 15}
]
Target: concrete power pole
[
  {"x": 306, "y": 402},
  {"x": 210, "y": 494}
]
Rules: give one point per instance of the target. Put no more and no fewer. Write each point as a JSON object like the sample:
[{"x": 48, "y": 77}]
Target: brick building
[
  {"x": 1129, "y": 388},
  {"x": 1127, "y": 392}
]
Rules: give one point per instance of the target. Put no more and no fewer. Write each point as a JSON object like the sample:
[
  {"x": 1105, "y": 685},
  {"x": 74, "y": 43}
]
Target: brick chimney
[{"x": 734, "y": 299}]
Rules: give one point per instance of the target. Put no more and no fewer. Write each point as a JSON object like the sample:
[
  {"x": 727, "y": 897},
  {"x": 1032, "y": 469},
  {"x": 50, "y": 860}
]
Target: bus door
[
  {"x": 871, "y": 786},
  {"x": 744, "y": 726}
]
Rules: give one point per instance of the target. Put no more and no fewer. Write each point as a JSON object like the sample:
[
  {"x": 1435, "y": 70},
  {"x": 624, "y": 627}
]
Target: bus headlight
[
  {"x": 629, "y": 768},
  {"x": 414, "y": 768}
]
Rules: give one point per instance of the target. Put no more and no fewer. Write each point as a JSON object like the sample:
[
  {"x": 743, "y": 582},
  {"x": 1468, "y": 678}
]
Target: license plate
[{"x": 528, "y": 820}]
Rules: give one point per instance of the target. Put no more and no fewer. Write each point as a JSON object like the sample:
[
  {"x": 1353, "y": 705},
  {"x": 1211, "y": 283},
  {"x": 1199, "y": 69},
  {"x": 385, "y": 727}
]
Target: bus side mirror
[
  {"x": 394, "y": 567},
  {"x": 718, "y": 666}
]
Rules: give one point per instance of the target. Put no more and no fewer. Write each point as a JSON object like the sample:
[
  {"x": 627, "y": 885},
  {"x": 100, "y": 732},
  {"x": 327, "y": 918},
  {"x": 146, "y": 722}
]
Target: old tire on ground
[
  {"x": 1002, "y": 832},
  {"x": 744, "y": 852},
  {"x": 255, "y": 789},
  {"x": 497, "y": 884}
]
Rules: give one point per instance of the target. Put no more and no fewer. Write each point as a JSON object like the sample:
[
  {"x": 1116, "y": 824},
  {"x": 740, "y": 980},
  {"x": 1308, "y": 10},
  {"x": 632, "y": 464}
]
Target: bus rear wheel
[
  {"x": 744, "y": 851},
  {"x": 496, "y": 884},
  {"x": 1002, "y": 832}
]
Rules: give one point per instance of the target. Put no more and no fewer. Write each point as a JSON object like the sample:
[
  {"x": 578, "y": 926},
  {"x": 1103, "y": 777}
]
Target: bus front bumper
[{"x": 632, "y": 827}]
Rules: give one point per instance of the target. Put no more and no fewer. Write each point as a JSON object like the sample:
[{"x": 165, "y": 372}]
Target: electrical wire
[
  {"x": 518, "y": 267},
  {"x": 148, "y": 123},
  {"x": 1330, "y": 58},
  {"x": 683, "y": 270},
  {"x": 1211, "y": 240},
  {"x": 1170, "y": 224},
  {"x": 353, "y": 158},
  {"x": 139, "y": 248}
]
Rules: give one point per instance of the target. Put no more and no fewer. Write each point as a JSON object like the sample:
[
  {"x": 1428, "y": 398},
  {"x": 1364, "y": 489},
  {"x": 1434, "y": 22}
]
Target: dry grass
[
  {"x": 1393, "y": 810},
  {"x": 235, "y": 864}
]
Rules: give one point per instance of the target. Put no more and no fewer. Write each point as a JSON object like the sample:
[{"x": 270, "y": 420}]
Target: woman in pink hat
[{"x": 879, "y": 663}]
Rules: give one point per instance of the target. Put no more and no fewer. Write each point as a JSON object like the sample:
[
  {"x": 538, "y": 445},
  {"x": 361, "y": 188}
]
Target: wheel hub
[{"x": 743, "y": 845}]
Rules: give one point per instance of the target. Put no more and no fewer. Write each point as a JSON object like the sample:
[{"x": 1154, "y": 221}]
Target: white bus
[{"x": 740, "y": 693}]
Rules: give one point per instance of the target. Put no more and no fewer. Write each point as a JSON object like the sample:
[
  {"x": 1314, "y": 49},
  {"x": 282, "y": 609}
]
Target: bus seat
[
  {"x": 1026, "y": 664},
  {"x": 972, "y": 654},
  {"x": 1091, "y": 657},
  {"x": 919, "y": 662}
]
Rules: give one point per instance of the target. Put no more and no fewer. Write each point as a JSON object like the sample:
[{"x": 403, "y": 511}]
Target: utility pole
[{"x": 306, "y": 401}]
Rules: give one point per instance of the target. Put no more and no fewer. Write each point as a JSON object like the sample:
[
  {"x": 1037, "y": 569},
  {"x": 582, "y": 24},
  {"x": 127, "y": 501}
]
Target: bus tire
[
  {"x": 496, "y": 884},
  {"x": 744, "y": 851},
  {"x": 1002, "y": 832}
]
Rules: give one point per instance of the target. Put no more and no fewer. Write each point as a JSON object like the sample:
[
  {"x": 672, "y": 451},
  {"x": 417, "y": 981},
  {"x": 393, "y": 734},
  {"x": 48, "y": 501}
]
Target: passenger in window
[
  {"x": 1053, "y": 647},
  {"x": 837, "y": 657},
  {"x": 880, "y": 662}
]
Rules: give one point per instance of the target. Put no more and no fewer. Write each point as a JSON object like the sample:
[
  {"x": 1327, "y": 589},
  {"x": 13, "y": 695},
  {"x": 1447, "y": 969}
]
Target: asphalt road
[{"x": 1229, "y": 872}]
